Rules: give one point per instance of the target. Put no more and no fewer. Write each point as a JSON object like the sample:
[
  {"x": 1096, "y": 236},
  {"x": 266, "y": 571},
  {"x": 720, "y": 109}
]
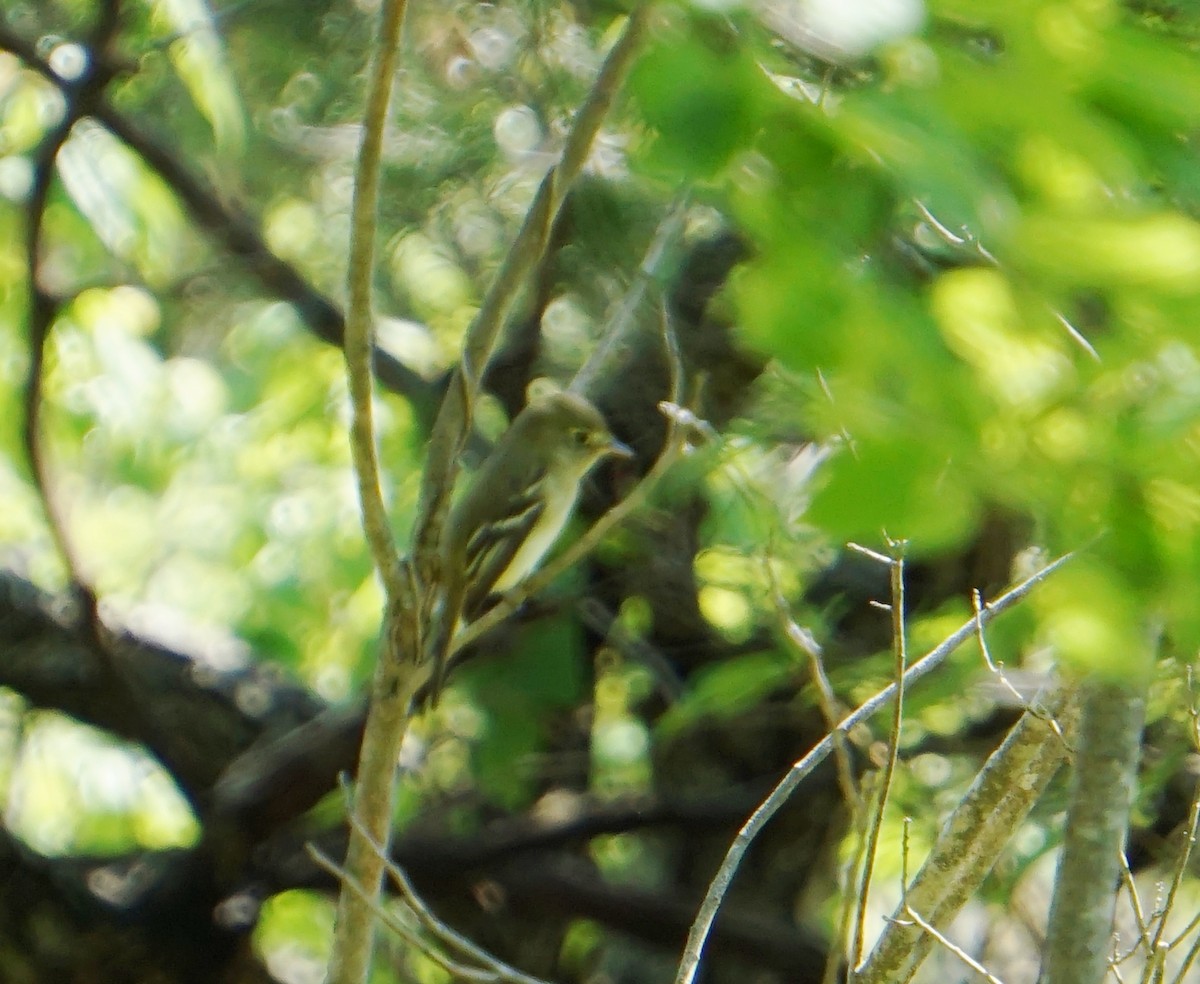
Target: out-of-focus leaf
[
  {"x": 198, "y": 56},
  {"x": 703, "y": 95},
  {"x": 128, "y": 207},
  {"x": 1091, "y": 618},
  {"x": 1148, "y": 82},
  {"x": 906, "y": 487},
  {"x": 729, "y": 688},
  {"x": 1158, "y": 251}
]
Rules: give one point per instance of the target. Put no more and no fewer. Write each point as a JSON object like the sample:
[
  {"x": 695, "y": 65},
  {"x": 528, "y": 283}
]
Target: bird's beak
[{"x": 619, "y": 449}]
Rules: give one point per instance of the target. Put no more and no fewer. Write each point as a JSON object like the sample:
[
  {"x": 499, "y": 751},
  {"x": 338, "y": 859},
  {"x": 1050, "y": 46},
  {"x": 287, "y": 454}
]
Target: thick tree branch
[
  {"x": 1079, "y": 935},
  {"x": 203, "y": 717},
  {"x": 971, "y": 842}
]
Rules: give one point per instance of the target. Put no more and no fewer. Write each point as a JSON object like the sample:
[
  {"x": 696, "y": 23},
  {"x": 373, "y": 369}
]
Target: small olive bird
[{"x": 518, "y": 503}]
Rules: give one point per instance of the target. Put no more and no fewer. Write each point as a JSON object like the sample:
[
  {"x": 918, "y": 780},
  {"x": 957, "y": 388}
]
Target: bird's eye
[{"x": 581, "y": 436}]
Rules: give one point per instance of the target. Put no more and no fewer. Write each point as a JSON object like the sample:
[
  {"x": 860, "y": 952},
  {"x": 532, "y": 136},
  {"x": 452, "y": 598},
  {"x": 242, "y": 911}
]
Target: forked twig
[
  {"x": 431, "y": 923},
  {"x": 491, "y": 970},
  {"x": 997, "y": 669}
]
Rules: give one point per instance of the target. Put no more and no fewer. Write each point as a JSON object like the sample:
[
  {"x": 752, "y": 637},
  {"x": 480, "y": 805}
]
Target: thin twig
[
  {"x": 446, "y": 935},
  {"x": 1135, "y": 900},
  {"x": 953, "y": 947},
  {"x": 1188, "y": 960},
  {"x": 831, "y": 708},
  {"x": 43, "y": 309},
  {"x": 1181, "y": 869},
  {"x": 967, "y": 240},
  {"x": 875, "y": 820},
  {"x": 80, "y": 95},
  {"x": 846, "y": 877},
  {"x": 359, "y": 316},
  {"x": 909, "y": 914},
  {"x": 997, "y": 669},
  {"x": 1185, "y": 851},
  {"x": 456, "y": 970},
  {"x": 694, "y": 947}
]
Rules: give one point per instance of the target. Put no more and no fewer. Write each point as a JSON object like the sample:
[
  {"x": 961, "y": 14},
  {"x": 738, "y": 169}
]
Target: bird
[{"x": 518, "y": 503}]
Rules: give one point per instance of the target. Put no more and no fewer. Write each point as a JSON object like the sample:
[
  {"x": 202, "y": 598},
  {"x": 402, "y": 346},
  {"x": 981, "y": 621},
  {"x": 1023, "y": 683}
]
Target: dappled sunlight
[{"x": 74, "y": 790}]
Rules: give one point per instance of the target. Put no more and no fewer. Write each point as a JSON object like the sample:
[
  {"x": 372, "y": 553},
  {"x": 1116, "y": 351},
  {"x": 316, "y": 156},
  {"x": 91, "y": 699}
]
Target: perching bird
[{"x": 518, "y": 502}]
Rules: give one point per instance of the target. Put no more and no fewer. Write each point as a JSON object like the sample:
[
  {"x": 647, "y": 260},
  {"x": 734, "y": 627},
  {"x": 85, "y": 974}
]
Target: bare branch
[
  {"x": 393, "y": 684},
  {"x": 1101, "y": 796},
  {"x": 875, "y": 820},
  {"x": 689, "y": 964}
]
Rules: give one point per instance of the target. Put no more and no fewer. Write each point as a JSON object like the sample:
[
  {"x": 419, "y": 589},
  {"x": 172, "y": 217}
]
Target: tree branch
[
  {"x": 1079, "y": 935},
  {"x": 394, "y": 681},
  {"x": 1003, "y": 793},
  {"x": 689, "y": 964}
]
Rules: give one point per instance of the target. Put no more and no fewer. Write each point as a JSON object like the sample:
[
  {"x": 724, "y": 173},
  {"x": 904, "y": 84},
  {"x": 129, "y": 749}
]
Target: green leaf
[
  {"x": 905, "y": 488},
  {"x": 704, "y": 97},
  {"x": 729, "y": 688}
]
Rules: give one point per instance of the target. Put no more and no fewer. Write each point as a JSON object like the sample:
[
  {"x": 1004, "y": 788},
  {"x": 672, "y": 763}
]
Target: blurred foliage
[
  {"x": 975, "y": 267},
  {"x": 932, "y": 247}
]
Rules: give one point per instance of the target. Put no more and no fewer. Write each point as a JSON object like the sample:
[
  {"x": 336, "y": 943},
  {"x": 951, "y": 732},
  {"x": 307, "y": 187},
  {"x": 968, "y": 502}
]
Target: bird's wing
[{"x": 492, "y": 548}]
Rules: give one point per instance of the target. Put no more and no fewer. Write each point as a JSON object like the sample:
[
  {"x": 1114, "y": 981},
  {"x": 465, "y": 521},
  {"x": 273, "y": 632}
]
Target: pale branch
[
  {"x": 969, "y": 844},
  {"x": 393, "y": 684},
  {"x": 689, "y": 964},
  {"x": 359, "y": 315},
  {"x": 888, "y": 772},
  {"x": 1101, "y": 796}
]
